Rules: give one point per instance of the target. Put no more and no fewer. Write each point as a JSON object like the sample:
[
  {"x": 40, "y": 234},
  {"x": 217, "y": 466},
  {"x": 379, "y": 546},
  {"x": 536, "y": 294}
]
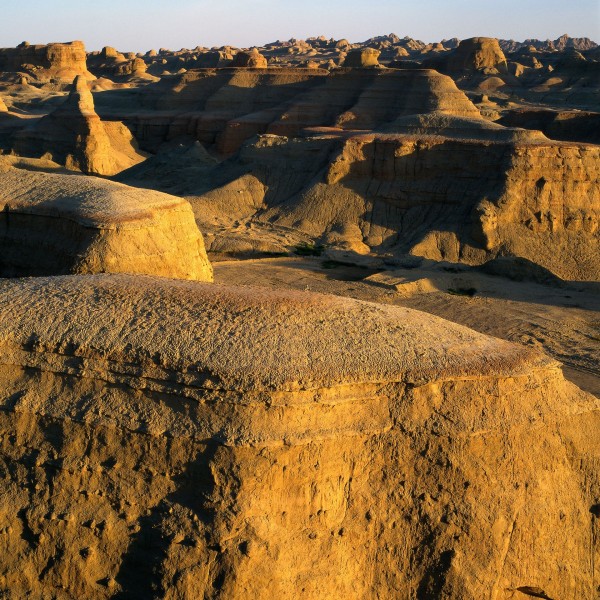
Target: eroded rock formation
[
  {"x": 62, "y": 62},
  {"x": 420, "y": 458},
  {"x": 362, "y": 58},
  {"x": 55, "y": 224},
  {"x": 252, "y": 60},
  {"x": 74, "y": 135}
]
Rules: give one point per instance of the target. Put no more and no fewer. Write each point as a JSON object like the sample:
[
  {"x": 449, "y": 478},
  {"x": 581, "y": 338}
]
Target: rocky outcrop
[
  {"x": 110, "y": 63},
  {"x": 478, "y": 54},
  {"x": 3, "y": 107},
  {"x": 362, "y": 58},
  {"x": 251, "y": 60},
  {"x": 576, "y": 125},
  {"x": 56, "y": 224},
  {"x": 73, "y": 135},
  {"x": 371, "y": 452},
  {"x": 61, "y": 62},
  {"x": 452, "y": 189}
]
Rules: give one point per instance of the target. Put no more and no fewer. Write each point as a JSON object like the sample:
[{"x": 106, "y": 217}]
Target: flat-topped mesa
[
  {"x": 252, "y": 59},
  {"x": 56, "y": 224},
  {"x": 60, "y": 62},
  {"x": 73, "y": 135},
  {"x": 240, "y": 438},
  {"x": 362, "y": 58}
]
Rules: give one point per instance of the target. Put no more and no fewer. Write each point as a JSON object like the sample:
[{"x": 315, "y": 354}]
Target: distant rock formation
[
  {"x": 177, "y": 438},
  {"x": 61, "y": 62},
  {"x": 74, "y": 135},
  {"x": 110, "y": 63},
  {"x": 251, "y": 60},
  {"x": 474, "y": 54},
  {"x": 362, "y": 58},
  {"x": 224, "y": 108},
  {"x": 52, "y": 224}
]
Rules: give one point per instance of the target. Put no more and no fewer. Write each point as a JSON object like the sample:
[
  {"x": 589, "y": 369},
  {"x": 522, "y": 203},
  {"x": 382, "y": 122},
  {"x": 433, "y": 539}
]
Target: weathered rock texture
[
  {"x": 477, "y": 54},
  {"x": 225, "y": 107},
  {"x": 62, "y": 62},
  {"x": 177, "y": 440},
  {"x": 74, "y": 135},
  {"x": 446, "y": 197},
  {"x": 57, "y": 224},
  {"x": 362, "y": 58},
  {"x": 253, "y": 60}
]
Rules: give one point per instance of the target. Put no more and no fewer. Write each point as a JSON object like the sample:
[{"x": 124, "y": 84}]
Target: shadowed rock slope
[
  {"x": 224, "y": 107},
  {"x": 73, "y": 135},
  {"x": 468, "y": 194},
  {"x": 56, "y": 224},
  {"x": 166, "y": 439}
]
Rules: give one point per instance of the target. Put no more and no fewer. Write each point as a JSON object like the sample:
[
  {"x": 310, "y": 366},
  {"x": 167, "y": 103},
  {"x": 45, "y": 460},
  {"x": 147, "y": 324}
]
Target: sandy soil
[{"x": 562, "y": 321}]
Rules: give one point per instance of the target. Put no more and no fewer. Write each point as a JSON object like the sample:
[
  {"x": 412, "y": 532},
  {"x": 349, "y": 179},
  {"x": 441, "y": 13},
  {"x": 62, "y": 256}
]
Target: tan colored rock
[
  {"x": 147, "y": 448},
  {"x": 74, "y": 135},
  {"x": 252, "y": 60},
  {"x": 431, "y": 189},
  {"x": 3, "y": 107},
  {"x": 61, "y": 62},
  {"x": 56, "y": 224},
  {"x": 477, "y": 54},
  {"x": 360, "y": 58}
]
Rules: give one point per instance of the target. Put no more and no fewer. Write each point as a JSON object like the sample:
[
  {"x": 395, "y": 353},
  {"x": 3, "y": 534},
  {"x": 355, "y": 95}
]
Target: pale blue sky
[{"x": 138, "y": 25}]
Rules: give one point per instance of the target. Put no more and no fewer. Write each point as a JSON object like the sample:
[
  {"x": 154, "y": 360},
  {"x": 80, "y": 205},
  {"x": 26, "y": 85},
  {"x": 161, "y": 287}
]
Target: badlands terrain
[{"x": 317, "y": 319}]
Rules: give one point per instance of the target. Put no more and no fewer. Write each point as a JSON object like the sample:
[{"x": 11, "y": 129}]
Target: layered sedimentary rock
[
  {"x": 57, "y": 224},
  {"x": 74, "y": 135},
  {"x": 371, "y": 452},
  {"x": 228, "y": 106},
  {"x": 62, "y": 62},
  {"x": 472, "y": 192}
]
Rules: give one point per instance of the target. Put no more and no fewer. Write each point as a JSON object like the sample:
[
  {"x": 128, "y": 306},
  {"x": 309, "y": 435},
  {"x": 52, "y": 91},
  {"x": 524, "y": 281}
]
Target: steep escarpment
[
  {"x": 455, "y": 198},
  {"x": 74, "y": 135},
  {"x": 146, "y": 452},
  {"x": 43, "y": 63},
  {"x": 56, "y": 224}
]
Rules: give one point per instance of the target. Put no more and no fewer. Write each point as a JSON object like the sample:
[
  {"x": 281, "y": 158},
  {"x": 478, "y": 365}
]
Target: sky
[{"x": 139, "y": 25}]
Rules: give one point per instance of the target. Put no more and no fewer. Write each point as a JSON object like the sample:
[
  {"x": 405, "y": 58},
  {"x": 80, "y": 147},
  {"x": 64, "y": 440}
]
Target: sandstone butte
[
  {"x": 52, "y": 224},
  {"x": 371, "y": 452},
  {"x": 43, "y": 63},
  {"x": 74, "y": 136}
]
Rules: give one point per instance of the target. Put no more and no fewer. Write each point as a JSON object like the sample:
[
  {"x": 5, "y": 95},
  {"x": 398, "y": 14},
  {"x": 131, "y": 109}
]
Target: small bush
[{"x": 308, "y": 249}]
